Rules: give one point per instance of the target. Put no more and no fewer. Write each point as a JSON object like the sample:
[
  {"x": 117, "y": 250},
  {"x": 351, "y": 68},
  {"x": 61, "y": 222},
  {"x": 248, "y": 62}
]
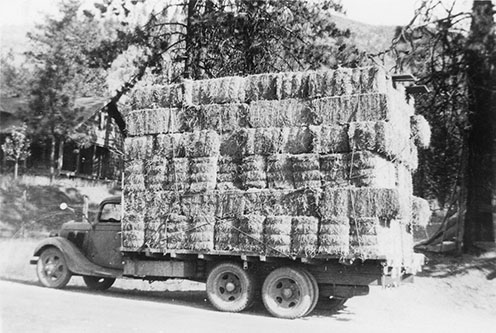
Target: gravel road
[{"x": 27, "y": 307}]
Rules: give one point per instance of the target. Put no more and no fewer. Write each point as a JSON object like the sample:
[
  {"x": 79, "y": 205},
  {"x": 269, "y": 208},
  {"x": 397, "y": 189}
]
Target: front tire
[
  {"x": 230, "y": 288},
  {"x": 52, "y": 269},
  {"x": 98, "y": 283}
]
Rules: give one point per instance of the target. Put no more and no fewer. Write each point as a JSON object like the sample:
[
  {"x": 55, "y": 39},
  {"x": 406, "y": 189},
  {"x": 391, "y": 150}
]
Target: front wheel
[
  {"x": 98, "y": 283},
  {"x": 52, "y": 269}
]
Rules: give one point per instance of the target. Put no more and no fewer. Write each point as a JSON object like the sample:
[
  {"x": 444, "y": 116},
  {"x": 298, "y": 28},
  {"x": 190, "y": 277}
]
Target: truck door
[{"x": 104, "y": 239}]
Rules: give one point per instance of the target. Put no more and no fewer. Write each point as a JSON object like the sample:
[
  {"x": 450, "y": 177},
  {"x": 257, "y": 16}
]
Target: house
[{"x": 99, "y": 157}]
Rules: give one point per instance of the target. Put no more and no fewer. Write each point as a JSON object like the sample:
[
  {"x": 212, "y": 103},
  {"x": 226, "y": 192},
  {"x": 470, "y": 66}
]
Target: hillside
[{"x": 370, "y": 38}]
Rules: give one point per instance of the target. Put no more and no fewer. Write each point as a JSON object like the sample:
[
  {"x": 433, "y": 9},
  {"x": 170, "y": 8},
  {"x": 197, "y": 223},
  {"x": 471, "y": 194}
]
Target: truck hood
[{"x": 75, "y": 226}]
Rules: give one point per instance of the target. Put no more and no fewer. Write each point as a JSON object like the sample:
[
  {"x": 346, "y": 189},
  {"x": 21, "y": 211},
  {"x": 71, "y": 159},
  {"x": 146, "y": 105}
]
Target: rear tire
[
  {"x": 230, "y": 288},
  {"x": 98, "y": 283},
  {"x": 315, "y": 287},
  {"x": 288, "y": 293},
  {"x": 52, "y": 269}
]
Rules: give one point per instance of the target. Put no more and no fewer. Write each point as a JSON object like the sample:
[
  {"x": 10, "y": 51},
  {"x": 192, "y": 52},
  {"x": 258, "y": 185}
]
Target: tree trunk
[
  {"x": 188, "y": 57},
  {"x": 16, "y": 168},
  {"x": 480, "y": 168},
  {"x": 52, "y": 158},
  {"x": 60, "y": 159}
]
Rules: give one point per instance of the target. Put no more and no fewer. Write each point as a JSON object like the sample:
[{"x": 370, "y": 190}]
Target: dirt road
[{"x": 30, "y": 308}]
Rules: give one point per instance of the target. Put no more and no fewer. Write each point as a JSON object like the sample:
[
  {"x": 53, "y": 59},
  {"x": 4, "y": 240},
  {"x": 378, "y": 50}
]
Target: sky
[{"x": 379, "y": 12}]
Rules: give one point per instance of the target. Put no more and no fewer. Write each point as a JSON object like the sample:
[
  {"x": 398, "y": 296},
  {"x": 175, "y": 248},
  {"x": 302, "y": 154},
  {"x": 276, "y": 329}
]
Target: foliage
[
  {"x": 16, "y": 146},
  {"x": 65, "y": 68},
  {"x": 212, "y": 38},
  {"x": 12, "y": 77},
  {"x": 433, "y": 48},
  {"x": 455, "y": 55}
]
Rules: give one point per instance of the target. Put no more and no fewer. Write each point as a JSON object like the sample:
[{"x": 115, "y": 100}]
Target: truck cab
[{"x": 87, "y": 248}]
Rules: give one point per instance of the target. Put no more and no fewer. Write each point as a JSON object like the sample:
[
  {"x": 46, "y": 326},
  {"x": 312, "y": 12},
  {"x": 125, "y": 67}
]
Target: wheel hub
[
  {"x": 287, "y": 293},
  {"x": 230, "y": 287}
]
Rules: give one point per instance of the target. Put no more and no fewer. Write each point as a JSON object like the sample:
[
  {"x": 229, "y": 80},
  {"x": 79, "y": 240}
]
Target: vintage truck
[
  {"x": 290, "y": 187},
  {"x": 289, "y": 288}
]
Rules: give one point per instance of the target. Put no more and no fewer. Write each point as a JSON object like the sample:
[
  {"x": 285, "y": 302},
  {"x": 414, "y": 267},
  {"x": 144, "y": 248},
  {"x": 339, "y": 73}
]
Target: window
[{"x": 111, "y": 212}]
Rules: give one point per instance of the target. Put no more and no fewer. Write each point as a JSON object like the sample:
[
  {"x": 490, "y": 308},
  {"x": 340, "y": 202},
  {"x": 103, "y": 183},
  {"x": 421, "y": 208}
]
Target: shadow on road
[
  {"x": 190, "y": 298},
  {"x": 444, "y": 265}
]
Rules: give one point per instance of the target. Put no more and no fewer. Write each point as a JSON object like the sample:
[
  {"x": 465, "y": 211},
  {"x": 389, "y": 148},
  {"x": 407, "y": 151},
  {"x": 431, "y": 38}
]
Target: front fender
[{"x": 77, "y": 263}]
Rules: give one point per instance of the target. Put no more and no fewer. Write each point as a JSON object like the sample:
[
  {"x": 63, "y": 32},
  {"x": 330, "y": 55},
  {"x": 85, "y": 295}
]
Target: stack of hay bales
[{"x": 313, "y": 164}]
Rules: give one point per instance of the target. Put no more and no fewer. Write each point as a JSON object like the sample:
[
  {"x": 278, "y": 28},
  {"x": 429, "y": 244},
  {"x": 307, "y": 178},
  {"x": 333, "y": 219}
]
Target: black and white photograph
[{"x": 247, "y": 166}]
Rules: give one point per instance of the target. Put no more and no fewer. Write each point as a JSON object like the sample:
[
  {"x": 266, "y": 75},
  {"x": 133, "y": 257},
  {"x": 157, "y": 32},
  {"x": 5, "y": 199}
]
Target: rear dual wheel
[
  {"x": 230, "y": 288},
  {"x": 290, "y": 292}
]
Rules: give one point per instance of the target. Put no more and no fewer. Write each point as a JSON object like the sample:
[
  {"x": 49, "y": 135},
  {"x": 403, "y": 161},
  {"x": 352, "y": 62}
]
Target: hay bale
[
  {"x": 334, "y": 236},
  {"x": 320, "y": 83},
  {"x": 374, "y": 79},
  {"x": 233, "y": 144},
  {"x": 200, "y": 235},
  {"x": 334, "y": 169},
  {"x": 366, "y": 169},
  {"x": 421, "y": 131},
  {"x": 281, "y": 202},
  {"x": 157, "y": 120},
  {"x": 179, "y": 175},
  {"x": 421, "y": 212},
  {"x": 385, "y": 139},
  {"x": 277, "y": 235},
  {"x": 278, "y": 113},
  {"x": 203, "y": 174},
  {"x": 375, "y": 202},
  {"x": 177, "y": 227},
  {"x": 230, "y": 204},
  {"x": 306, "y": 171},
  {"x": 263, "y": 141},
  {"x": 261, "y": 87},
  {"x": 297, "y": 140},
  {"x": 335, "y": 202},
  {"x": 138, "y": 147},
  {"x": 251, "y": 233},
  {"x": 155, "y": 173},
  {"x": 135, "y": 123},
  {"x": 279, "y": 172},
  {"x": 201, "y": 143},
  {"x": 132, "y": 231},
  {"x": 199, "y": 204},
  {"x": 134, "y": 176},
  {"x": 365, "y": 237},
  {"x": 329, "y": 139},
  {"x": 226, "y": 235},
  {"x": 161, "y": 204},
  {"x": 228, "y": 174},
  {"x": 304, "y": 236},
  {"x": 155, "y": 96},
  {"x": 221, "y": 118},
  {"x": 253, "y": 172},
  {"x": 170, "y": 145},
  {"x": 292, "y": 85},
  {"x": 351, "y": 108},
  {"x": 215, "y": 91}
]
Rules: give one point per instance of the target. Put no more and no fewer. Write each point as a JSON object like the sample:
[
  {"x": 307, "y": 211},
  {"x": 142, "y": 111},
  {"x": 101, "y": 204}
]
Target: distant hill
[{"x": 370, "y": 38}]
